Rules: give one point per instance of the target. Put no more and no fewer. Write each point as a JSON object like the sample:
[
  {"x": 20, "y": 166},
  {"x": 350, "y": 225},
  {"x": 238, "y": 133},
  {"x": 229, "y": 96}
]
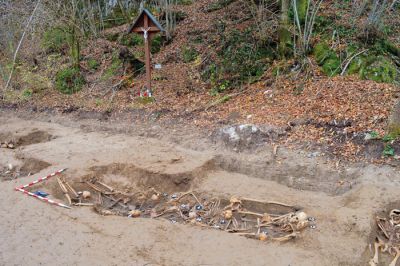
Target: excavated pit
[
  {"x": 34, "y": 137},
  {"x": 28, "y": 167},
  {"x": 130, "y": 191}
]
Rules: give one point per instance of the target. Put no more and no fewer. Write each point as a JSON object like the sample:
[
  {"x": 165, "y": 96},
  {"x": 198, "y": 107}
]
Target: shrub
[
  {"x": 131, "y": 39},
  {"x": 69, "y": 80},
  {"x": 55, "y": 39},
  {"x": 156, "y": 44},
  {"x": 35, "y": 82}
]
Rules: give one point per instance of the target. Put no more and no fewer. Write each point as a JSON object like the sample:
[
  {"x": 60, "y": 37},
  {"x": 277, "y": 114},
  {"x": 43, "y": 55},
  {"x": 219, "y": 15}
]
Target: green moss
[
  {"x": 322, "y": 52},
  {"x": 377, "y": 68},
  {"x": 380, "y": 70},
  {"x": 327, "y": 59},
  {"x": 331, "y": 67},
  {"x": 69, "y": 80}
]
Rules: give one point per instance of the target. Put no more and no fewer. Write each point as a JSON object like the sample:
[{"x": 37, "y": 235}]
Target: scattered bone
[
  {"x": 135, "y": 213},
  {"x": 394, "y": 261},
  {"x": 64, "y": 190},
  {"x": 70, "y": 188},
  {"x": 189, "y": 207},
  {"x": 263, "y": 236},
  {"x": 7, "y": 145},
  {"x": 83, "y": 204},
  {"x": 388, "y": 239},
  {"x": 86, "y": 194},
  {"x": 227, "y": 214},
  {"x": 377, "y": 245},
  {"x": 106, "y": 186},
  {"x": 155, "y": 197}
]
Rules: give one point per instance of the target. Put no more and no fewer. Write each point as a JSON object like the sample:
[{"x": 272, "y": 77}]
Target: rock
[
  {"x": 313, "y": 154},
  {"x": 246, "y": 136}
]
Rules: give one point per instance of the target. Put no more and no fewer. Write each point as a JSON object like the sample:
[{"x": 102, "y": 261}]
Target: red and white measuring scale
[{"x": 23, "y": 190}]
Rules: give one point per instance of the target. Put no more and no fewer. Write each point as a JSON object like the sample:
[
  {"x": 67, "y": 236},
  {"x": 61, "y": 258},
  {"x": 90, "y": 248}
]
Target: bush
[
  {"x": 55, "y": 39},
  {"x": 156, "y": 43},
  {"x": 131, "y": 39},
  {"x": 69, "y": 80},
  {"x": 36, "y": 82}
]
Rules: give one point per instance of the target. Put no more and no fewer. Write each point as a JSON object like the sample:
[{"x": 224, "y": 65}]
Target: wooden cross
[{"x": 147, "y": 25}]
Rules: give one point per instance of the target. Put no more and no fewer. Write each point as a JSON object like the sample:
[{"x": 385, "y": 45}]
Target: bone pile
[
  {"x": 234, "y": 216},
  {"x": 7, "y": 145},
  {"x": 388, "y": 237}
]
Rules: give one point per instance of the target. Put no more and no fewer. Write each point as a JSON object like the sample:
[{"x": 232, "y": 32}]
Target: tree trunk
[
  {"x": 74, "y": 42},
  {"x": 75, "y": 49},
  {"x": 284, "y": 33},
  {"x": 394, "y": 121},
  {"x": 302, "y": 6}
]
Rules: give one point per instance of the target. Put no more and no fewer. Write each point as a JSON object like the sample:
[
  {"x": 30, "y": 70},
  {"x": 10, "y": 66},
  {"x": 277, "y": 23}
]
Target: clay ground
[{"x": 343, "y": 200}]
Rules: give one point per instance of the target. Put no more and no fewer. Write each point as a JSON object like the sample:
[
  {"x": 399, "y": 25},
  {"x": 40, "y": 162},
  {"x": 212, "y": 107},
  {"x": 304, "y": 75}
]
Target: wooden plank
[{"x": 147, "y": 54}]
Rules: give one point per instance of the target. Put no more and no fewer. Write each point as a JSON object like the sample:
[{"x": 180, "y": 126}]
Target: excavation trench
[{"x": 130, "y": 191}]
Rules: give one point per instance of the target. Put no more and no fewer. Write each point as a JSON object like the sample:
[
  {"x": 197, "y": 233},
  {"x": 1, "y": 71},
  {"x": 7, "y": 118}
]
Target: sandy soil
[{"x": 343, "y": 200}]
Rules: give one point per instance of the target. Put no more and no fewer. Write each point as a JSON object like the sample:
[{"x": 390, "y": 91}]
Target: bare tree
[{"x": 20, "y": 43}]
